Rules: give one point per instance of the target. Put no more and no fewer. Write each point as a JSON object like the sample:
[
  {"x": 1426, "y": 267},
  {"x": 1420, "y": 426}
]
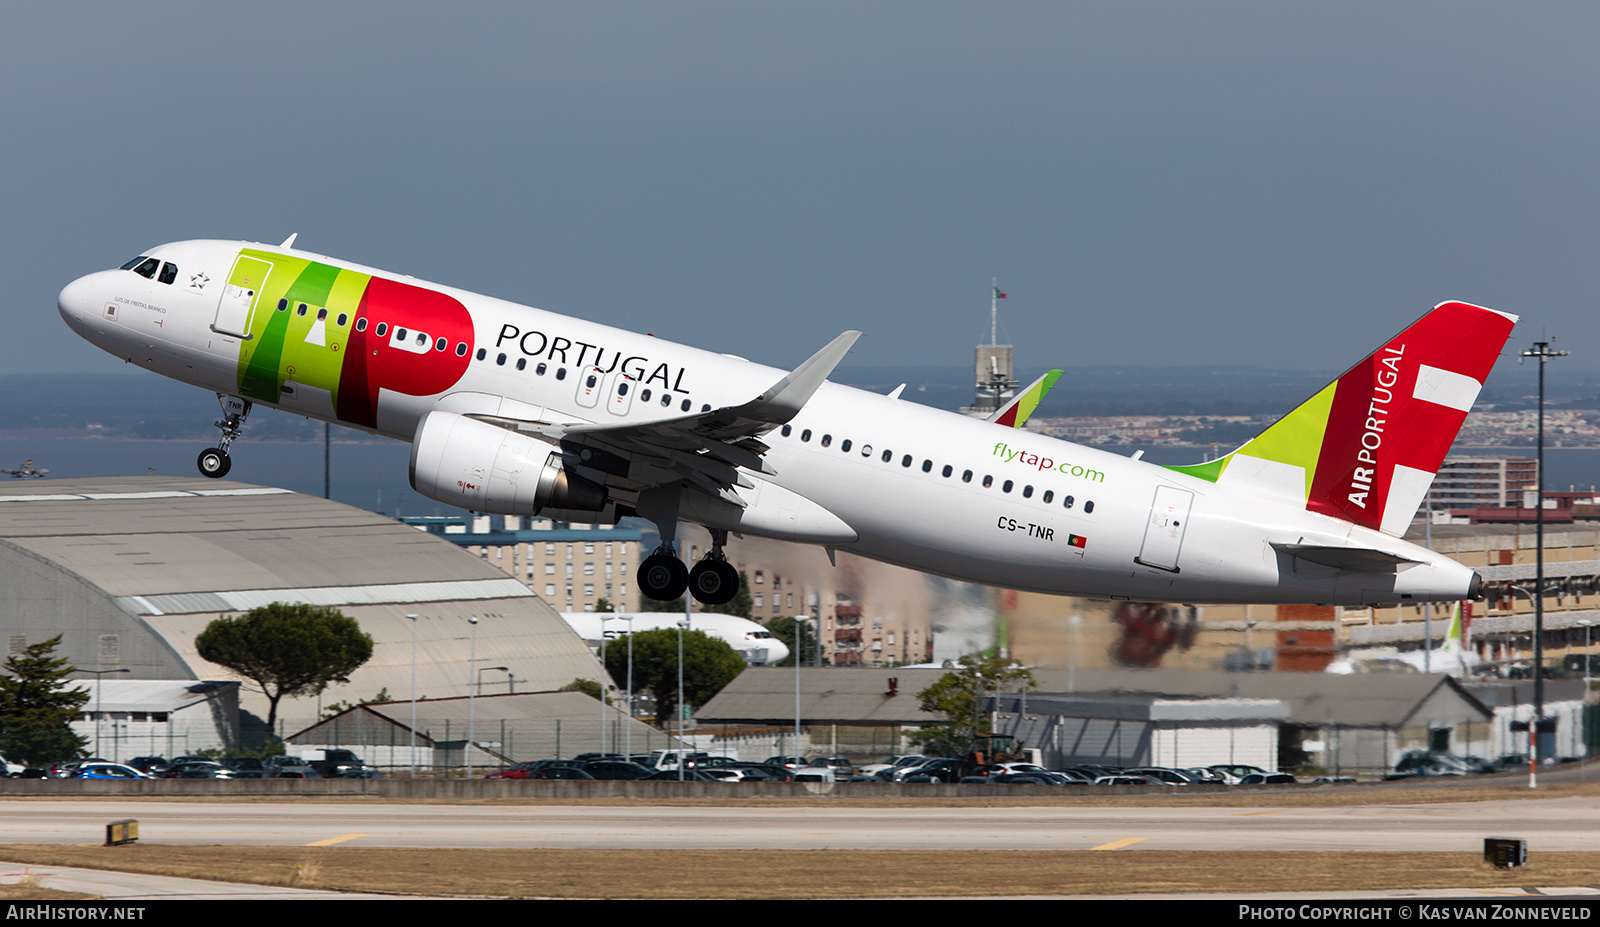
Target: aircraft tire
[
  {"x": 714, "y": 582},
  {"x": 214, "y": 462},
  {"x": 662, "y": 578}
]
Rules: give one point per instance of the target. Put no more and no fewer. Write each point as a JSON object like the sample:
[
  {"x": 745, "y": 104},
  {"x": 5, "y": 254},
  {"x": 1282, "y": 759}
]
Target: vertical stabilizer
[{"x": 1365, "y": 448}]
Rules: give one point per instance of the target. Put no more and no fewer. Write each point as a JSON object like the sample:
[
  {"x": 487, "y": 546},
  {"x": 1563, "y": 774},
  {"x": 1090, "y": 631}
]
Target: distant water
[
  {"x": 374, "y": 475},
  {"x": 359, "y": 472},
  {"x": 1578, "y": 467}
]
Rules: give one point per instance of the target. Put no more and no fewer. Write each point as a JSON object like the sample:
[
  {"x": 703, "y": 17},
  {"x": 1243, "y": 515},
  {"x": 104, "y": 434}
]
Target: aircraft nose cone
[{"x": 77, "y": 303}]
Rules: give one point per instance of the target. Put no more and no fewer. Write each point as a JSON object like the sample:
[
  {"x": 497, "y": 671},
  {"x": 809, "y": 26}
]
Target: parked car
[
  {"x": 109, "y": 771},
  {"x": 1268, "y": 779}
]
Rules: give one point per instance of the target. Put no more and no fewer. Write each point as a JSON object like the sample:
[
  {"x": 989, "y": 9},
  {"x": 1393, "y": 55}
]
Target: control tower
[{"x": 993, "y": 369}]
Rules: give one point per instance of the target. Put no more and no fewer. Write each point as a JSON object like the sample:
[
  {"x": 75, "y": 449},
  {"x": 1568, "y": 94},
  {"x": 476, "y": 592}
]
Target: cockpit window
[
  {"x": 169, "y": 272},
  {"x": 147, "y": 268},
  {"x": 133, "y": 263}
]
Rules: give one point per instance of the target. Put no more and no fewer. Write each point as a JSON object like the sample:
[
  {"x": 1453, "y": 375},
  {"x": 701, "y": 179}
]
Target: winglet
[
  {"x": 289, "y": 242},
  {"x": 1015, "y": 413},
  {"x": 785, "y": 398}
]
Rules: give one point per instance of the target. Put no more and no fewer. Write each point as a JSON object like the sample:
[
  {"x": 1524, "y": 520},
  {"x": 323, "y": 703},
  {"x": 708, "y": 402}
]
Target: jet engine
[{"x": 469, "y": 463}]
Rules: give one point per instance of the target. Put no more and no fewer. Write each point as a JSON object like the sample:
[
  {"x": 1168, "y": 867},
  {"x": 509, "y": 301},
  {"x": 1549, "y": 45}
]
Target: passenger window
[
  {"x": 1088, "y": 507},
  {"x": 889, "y": 455},
  {"x": 283, "y": 304},
  {"x": 322, "y": 314},
  {"x": 561, "y": 373},
  {"x": 666, "y": 400},
  {"x": 622, "y": 389},
  {"x": 1006, "y": 486},
  {"x": 343, "y": 318},
  {"x": 169, "y": 272},
  {"x": 966, "y": 476},
  {"x": 422, "y": 340},
  {"x": 500, "y": 360},
  {"x": 1027, "y": 492},
  {"x": 361, "y": 325},
  {"x": 443, "y": 343},
  {"x": 645, "y": 396},
  {"x": 461, "y": 349},
  {"x": 805, "y": 436},
  {"x": 826, "y": 441},
  {"x": 482, "y": 354},
  {"x": 399, "y": 333},
  {"x": 988, "y": 481},
  {"x": 1049, "y": 494},
  {"x": 522, "y": 363},
  {"x": 845, "y": 445},
  {"x": 947, "y": 471},
  {"x": 706, "y": 407},
  {"x": 541, "y": 369},
  {"x": 786, "y": 430},
  {"x": 1066, "y": 502},
  {"x": 687, "y": 405},
  {"x": 383, "y": 328},
  {"x": 591, "y": 381},
  {"x": 301, "y": 310}
]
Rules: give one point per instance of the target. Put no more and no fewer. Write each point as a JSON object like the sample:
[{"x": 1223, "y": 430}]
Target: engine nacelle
[{"x": 464, "y": 462}]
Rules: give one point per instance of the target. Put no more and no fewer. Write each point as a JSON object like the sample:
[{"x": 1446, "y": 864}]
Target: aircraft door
[
  {"x": 1163, "y": 534},
  {"x": 239, "y": 295},
  {"x": 589, "y": 386},
  {"x": 619, "y": 397}
]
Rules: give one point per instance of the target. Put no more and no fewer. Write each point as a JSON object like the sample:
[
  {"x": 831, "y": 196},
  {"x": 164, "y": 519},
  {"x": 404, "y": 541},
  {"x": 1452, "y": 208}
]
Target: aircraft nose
[{"x": 78, "y": 303}]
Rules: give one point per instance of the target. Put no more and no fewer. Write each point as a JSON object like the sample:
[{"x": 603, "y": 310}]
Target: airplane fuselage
[{"x": 879, "y": 476}]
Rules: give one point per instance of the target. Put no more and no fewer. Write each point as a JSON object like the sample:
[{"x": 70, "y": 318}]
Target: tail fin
[
  {"x": 1016, "y": 412},
  {"x": 1365, "y": 448}
]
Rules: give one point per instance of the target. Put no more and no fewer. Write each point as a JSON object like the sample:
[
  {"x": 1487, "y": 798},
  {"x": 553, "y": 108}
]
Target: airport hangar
[{"x": 130, "y": 569}]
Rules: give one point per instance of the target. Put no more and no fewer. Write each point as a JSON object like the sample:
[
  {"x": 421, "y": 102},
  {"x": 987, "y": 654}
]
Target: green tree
[
  {"x": 708, "y": 665},
  {"x": 957, "y": 695},
  {"x": 37, "y": 708},
  {"x": 798, "y": 636},
  {"x": 286, "y": 649},
  {"x": 587, "y": 686}
]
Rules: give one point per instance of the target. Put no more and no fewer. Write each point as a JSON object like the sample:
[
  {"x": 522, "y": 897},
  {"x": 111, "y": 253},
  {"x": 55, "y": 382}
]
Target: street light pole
[
  {"x": 99, "y": 700},
  {"x": 1541, "y": 351},
  {"x": 413, "y": 620}
]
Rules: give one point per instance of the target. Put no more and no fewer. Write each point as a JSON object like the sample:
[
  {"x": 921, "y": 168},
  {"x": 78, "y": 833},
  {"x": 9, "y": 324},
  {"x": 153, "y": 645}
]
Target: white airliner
[
  {"x": 515, "y": 410},
  {"x": 753, "y": 642},
  {"x": 1453, "y": 657}
]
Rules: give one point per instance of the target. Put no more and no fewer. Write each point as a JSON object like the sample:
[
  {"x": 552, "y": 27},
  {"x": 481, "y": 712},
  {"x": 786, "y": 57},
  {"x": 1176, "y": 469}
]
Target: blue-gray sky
[{"x": 1275, "y": 184}]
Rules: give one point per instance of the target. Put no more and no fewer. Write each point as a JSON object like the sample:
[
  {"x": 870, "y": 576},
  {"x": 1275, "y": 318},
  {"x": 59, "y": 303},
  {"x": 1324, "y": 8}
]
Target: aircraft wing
[{"x": 705, "y": 449}]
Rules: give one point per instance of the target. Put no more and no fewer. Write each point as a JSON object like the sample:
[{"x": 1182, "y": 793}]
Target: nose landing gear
[{"x": 214, "y": 461}]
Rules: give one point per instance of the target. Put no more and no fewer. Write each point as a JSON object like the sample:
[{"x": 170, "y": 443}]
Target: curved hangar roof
[{"x": 130, "y": 569}]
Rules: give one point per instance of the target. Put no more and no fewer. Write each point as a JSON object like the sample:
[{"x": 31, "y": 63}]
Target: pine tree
[{"x": 37, "y": 708}]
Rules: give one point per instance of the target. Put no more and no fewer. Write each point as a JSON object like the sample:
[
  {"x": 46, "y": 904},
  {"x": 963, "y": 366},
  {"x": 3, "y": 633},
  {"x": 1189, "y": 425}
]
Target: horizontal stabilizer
[{"x": 1353, "y": 559}]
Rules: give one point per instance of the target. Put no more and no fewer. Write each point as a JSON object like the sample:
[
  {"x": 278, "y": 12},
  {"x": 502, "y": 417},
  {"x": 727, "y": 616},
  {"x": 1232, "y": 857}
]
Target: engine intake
[{"x": 464, "y": 462}]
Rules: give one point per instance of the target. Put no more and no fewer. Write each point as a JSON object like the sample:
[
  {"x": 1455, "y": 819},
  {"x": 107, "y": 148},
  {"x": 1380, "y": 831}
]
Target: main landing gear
[
  {"x": 713, "y": 581},
  {"x": 214, "y": 461}
]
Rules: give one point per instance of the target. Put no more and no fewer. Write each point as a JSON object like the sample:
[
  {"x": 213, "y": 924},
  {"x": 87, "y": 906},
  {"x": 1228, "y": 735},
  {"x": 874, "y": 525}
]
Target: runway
[{"x": 1547, "y": 825}]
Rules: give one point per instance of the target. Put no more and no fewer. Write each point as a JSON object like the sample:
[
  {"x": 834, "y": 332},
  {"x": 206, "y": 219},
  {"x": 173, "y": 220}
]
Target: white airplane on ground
[
  {"x": 514, "y": 410},
  {"x": 753, "y": 642},
  {"x": 1453, "y": 658}
]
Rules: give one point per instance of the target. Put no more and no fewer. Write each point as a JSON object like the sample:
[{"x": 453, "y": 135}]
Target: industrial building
[{"x": 129, "y": 570}]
